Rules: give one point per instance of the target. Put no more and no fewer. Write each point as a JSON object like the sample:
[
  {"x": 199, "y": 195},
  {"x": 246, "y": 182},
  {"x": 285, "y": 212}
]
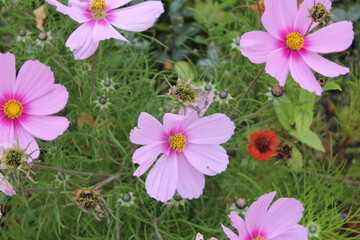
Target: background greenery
[{"x": 201, "y": 33}]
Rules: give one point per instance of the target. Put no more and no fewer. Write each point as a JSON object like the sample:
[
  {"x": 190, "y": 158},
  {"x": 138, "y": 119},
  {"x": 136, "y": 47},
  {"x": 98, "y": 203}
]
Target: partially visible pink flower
[
  {"x": 26, "y": 103},
  {"x": 189, "y": 148},
  {"x": 97, "y": 18},
  {"x": 279, "y": 222},
  {"x": 206, "y": 98},
  {"x": 5, "y": 186},
  {"x": 287, "y": 46}
]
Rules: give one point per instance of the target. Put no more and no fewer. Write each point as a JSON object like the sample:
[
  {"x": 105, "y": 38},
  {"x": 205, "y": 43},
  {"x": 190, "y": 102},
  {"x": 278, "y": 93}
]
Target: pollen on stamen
[
  {"x": 177, "y": 142},
  {"x": 259, "y": 238},
  {"x": 13, "y": 109},
  {"x": 295, "y": 41},
  {"x": 98, "y": 9}
]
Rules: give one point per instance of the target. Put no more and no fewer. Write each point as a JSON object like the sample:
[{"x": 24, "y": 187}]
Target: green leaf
[
  {"x": 309, "y": 138},
  {"x": 184, "y": 70},
  {"x": 303, "y": 120},
  {"x": 331, "y": 86},
  {"x": 285, "y": 111},
  {"x": 296, "y": 161},
  {"x": 307, "y": 100}
]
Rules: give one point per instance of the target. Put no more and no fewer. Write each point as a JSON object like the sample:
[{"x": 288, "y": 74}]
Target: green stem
[
  {"x": 70, "y": 171},
  {"x": 255, "y": 113},
  {"x": 251, "y": 85}
]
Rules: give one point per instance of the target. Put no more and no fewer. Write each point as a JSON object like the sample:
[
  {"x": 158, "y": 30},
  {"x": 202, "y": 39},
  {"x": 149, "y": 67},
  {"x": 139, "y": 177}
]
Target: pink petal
[
  {"x": 256, "y": 213},
  {"x": 207, "y": 159},
  {"x": 174, "y": 123},
  {"x": 279, "y": 17},
  {"x": 45, "y": 127},
  {"x": 302, "y": 21},
  {"x": 206, "y": 99},
  {"x": 283, "y": 215},
  {"x": 7, "y": 132},
  {"x": 303, "y": 75},
  {"x": 257, "y": 45},
  {"x": 214, "y": 129},
  {"x": 25, "y": 140},
  {"x": 238, "y": 223},
  {"x": 326, "y": 3},
  {"x": 34, "y": 80},
  {"x": 77, "y": 14},
  {"x": 116, "y": 3},
  {"x": 297, "y": 233},
  {"x": 163, "y": 178},
  {"x": 146, "y": 156},
  {"x": 84, "y": 4},
  {"x": 54, "y": 101},
  {"x": 230, "y": 234},
  {"x": 103, "y": 30},
  {"x": 277, "y": 65},
  {"x": 335, "y": 37},
  {"x": 6, "y": 187},
  {"x": 136, "y": 18},
  {"x": 322, "y": 65},
  {"x": 7, "y": 73},
  {"x": 81, "y": 41},
  {"x": 191, "y": 182},
  {"x": 149, "y": 130}
]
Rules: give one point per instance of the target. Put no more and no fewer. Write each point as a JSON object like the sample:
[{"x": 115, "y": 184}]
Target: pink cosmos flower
[
  {"x": 26, "y": 101},
  {"x": 97, "y": 18},
  {"x": 279, "y": 222},
  {"x": 287, "y": 46},
  {"x": 5, "y": 186},
  {"x": 189, "y": 146}
]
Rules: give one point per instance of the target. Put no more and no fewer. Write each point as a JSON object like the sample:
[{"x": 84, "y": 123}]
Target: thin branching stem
[
  {"x": 37, "y": 190},
  {"x": 93, "y": 74},
  {"x": 251, "y": 85},
  {"x": 107, "y": 180},
  {"x": 352, "y": 182},
  {"x": 72, "y": 172},
  {"x": 255, "y": 113}
]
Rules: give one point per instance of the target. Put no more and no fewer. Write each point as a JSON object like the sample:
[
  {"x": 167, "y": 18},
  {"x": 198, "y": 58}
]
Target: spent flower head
[
  {"x": 11, "y": 156},
  {"x": 185, "y": 94},
  {"x": 320, "y": 11},
  {"x": 90, "y": 201}
]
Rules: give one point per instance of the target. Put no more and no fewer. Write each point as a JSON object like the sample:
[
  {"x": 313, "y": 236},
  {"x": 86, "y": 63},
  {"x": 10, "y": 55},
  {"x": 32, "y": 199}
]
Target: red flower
[{"x": 263, "y": 145}]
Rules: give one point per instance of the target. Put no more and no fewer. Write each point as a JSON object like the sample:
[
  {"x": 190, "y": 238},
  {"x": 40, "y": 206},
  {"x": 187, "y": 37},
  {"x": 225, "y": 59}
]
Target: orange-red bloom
[{"x": 263, "y": 144}]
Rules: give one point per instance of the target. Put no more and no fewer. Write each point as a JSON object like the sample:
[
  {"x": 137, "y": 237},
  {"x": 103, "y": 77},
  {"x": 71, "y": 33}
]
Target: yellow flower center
[
  {"x": 295, "y": 41},
  {"x": 13, "y": 109},
  {"x": 98, "y": 9},
  {"x": 258, "y": 238},
  {"x": 177, "y": 142}
]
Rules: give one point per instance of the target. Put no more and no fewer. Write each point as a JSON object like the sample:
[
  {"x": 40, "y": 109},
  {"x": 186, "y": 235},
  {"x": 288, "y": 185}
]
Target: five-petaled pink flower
[
  {"x": 190, "y": 148},
  {"x": 287, "y": 46},
  {"x": 26, "y": 101},
  {"x": 97, "y": 18},
  {"x": 6, "y": 187},
  {"x": 279, "y": 222}
]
